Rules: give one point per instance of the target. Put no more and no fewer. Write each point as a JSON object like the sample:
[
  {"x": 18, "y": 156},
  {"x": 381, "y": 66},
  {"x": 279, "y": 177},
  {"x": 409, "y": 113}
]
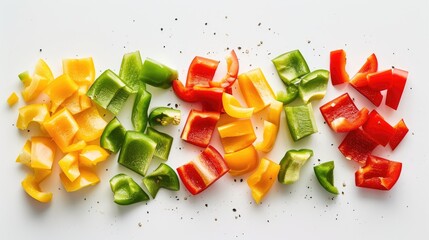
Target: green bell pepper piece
[
  {"x": 290, "y": 65},
  {"x": 291, "y": 164},
  {"x": 126, "y": 191},
  {"x": 163, "y": 143},
  {"x": 164, "y": 116},
  {"x": 119, "y": 100},
  {"x": 157, "y": 74},
  {"x": 300, "y": 120},
  {"x": 289, "y": 96},
  {"x": 325, "y": 174},
  {"x": 137, "y": 152},
  {"x": 113, "y": 136},
  {"x": 163, "y": 177},
  {"x": 131, "y": 68},
  {"x": 139, "y": 117},
  {"x": 313, "y": 85}
]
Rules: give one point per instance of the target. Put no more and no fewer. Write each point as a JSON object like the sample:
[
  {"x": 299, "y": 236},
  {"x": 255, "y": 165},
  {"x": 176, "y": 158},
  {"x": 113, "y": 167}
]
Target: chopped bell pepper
[
  {"x": 289, "y": 96},
  {"x": 42, "y": 153},
  {"x": 242, "y": 161},
  {"x": 255, "y": 89},
  {"x": 275, "y": 112},
  {"x": 41, "y": 78},
  {"x": 357, "y": 146},
  {"x": 32, "y": 113},
  {"x": 198, "y": 174},
  {"x": 162, "y": 177},
  {"x": 76, "y": 146},
  {"x": 380, "y": 81},
  {"x": 78, "y": 101},
  {"x": 25, "y": 78},
  {"x": 91, "y": 124},
  {"x": 85, "y": 179},
  {"x": 233, "y": 108},
  {"x": 313, "y": 85},
  {"x": 137, "y": 152},
  {"x": 91, "y": 155},
  {"x": 62, "y": 127},
  {"x": 157, "y": 74},
  {"x": 25, "y": 156},
  {"x": 113, "y": 136},
  {"x": 291, "y": 164},
  {"x": 119, "y": 100},
  {"x": 337, "y": 67},
  {"x": 236, "y": 135},
  {"x": 131, "y": 70},
  {"x": 126, "y": 191},
  {"x": 232, "y": 72},
  {"x": 394, "y": 93},
  {"x": 199, "y": 127},
  {"x": 361, "y": 78},
  {"x": 270, "y": 135},
  {"x": 261, "y": 181},
  {"x": 378, "y": 173},
  {"x": 163, "y": 143},
  {"x": 378, "y": 129},
  {"x": 31, "y": 185},
  {"x": 59, "y": 90},
  {"x": 325, "y": 175},
  {"x": 400, "y": 131},
  {"x": 164, "y": 116},
  {"x": 80, "y": 70},
  {"x": 300, "y": 120},
  {"x": 12, "y": 99},
  {"x": 69, "y": 165},
  {"x": 290, "y": 66},
  {"x": 139, "y": 116},
  {"x": 201, "y": 72}
]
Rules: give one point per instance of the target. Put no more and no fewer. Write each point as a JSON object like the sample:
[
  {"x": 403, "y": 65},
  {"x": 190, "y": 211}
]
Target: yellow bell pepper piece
[
  {"x": 31, "y": 186},
  {"x": 92, "y": 154},
  {"x": 261, "y": 181},
  {"x": 233, "y": 144},
  {"x": 80, "y": 70},
  {"x": 69, "y": 164},
  {"x": 85, "y": 179},
  {"x": 25, "y": 156},
  {"x": 32, "y": 113},
  {"x": 78, "y": 101},
  {"x": 236, "y": 128},
  {"x": 41, "y": 78},
  {"x": 59, "y": 90},
  {"x": 274, "y": 112},
  {"x": 233, "y": 108},
  {"x": 42, "y": 152},
  {"x": 242, "y": 161},
  {"x": 62, "y": 127},
  {"x": 270, "y": 135},
  {"x": 77, "y": 146},
  {"x": 12, "y": 99},
  {"x": 255, "y": 89},
  {"x": 84, "y": 101},
  {"x": 91, "y": 124}
]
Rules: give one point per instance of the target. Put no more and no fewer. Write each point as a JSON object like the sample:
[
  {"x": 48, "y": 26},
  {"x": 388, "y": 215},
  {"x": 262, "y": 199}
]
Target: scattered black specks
[
  {"x": 104, "y": 115},
  {"x": 239, "y": 48},
  {"x": 226, "y": 17},
  {"x": 107, "y": 169},
  {"x": 344, "y": 184},
  {"x": 234, "y": 210},
  {"x": 324, "y": 122},
  {"x": 269, "y": 53},
  {"x": 269, "y": 29},
  {"x": 175, "y": 19},
  {"x": 206, "y": 205},
  {"x": 241, "y": 180},
  {"x": 98, "y": 202},
  {"x": 260, "y": 43},
  {"x": 84, "y": 199},
  {"x": 185, "y": 198},
  {"x": 163, "y": 46},
  {"x": 318, "y": 159},
  {"x": 215, "y": 219},
  {"x": 393, "y": 66},
  {"x": 180, "y": 51},
  {"x": 235, "y": 180},
  {"x": 342, "y": 192},
  {"x": 134, "y": 20},
  {"x": 205, "y": 24},
  {"x": 412, "y": 133},
  {"x": 259, "y": 24},
  {"x": 59, "y": 189},
  {"x": 309, "y": 41},
  {"x": 28, "y": 130},
  {"x": 140, "y": 224},
  {"x": 162, "y": 29},
  {"x": 268, "y": 221},
  {"x": 214, "y": 33},
  {"x": 147, "y": 212},
  {"x": 40, "y": 50},
  {"x": 332, "y": 144},
  {"x": 169, "y": 104},
  {"x": 176, "y": 105},
  {"x": 393, "y": 53}
]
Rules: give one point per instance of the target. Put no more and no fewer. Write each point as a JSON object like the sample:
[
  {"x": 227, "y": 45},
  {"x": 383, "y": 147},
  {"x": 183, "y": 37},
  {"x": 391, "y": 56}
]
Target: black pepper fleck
[
  {"x": 239, "y": 48},
  {"x": 162, "y": 29},
  {"x": 259, "y": 24},
  {"x": 234, "y": 210},
  {"x": 40, "y": 50}
]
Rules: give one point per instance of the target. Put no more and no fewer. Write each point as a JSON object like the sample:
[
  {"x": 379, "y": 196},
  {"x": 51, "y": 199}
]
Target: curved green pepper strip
[
  {"x": 289, "y": 96},
  {"x": 113, "y": 136},
  {"x": 139, "y": 116},
  {"x": 164, "y": 116},
  {"x": 313, "y": 85},
  {"x": 163, "y": 177},
  {"x": 290, "y": 65},
  {"x": 163, "y": 142},
  {"x": 325, "y": 174},
  {"x": 131, "y": 68},
  {"x": 291, "y": 164},
  {"x": 157, "y": 74},
  {"x": 126, "y": 191}
]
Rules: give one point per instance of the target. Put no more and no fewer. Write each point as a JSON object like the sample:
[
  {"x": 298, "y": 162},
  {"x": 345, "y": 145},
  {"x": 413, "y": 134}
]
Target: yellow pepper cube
[
  {"x": 91, "y": 124},
  {"x": 42, "y": 152},
  {"x": 242, "y": 161},
  {"x": 236, "y": 135},
  {"x": 12, "y": 99},
  {"x": 261, "y": 181},
  {"x": 62, "y": 127},
  {"x": 32, "y": 113},
  {"x": 59, "y": 90},
  {"x": 25, "y": 156},
  {"x": 85, "y": 179},
  {"x": 69, "y": 165},
  {"x": 41, "y": 78},
  {"x": 80, "y": 70},
  {"x": 92, "y": 154}
]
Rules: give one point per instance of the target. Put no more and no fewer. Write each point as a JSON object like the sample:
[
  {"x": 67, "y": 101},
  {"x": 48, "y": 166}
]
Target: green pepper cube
[
  {"x": 157, "y": 74},
  {"x": 289, "y": 96},
  {"x": 113, "y": 136},
  {"x": 137, "y": 152},
  {"x": 313, "y": 85},
  {"x": 300, "y": 120},
  {"x": 104, "y": 88},
  {"x": 163, "y": 143},
  {"x": 325, "y": 175},
  {"x": 163, "y": 177},
  {"x": 139, "y": 115},
  {"x": 131, "y": 69},
  {"x": 291, "y": 163},
  {"x": 119, "y": 100},
  {"x": 290, "y": 65},
  {"x": 126, "y": 191},
  {"x": 164, "y": 116}
]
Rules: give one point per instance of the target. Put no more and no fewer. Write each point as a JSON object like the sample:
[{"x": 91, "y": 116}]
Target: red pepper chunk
[
  {"x": 357, "y": 146},
  {"x": 380, "y": 81},
  {"x": 232, "y": 72},
  {"x": 337, "y": 67},
  {"x": 201, "y": 72},
  {"x": 400, "y": 131},
  {"x": 203, "y": 171},
  {"x": 378, "y": 129},
  {"x": 378, "y": 173},
  {"x": 210, "y": 97},
  {"x": 199, "y": 127},
  {"x": 342, "y": 115},
  {"x": 394, "y": 93}
]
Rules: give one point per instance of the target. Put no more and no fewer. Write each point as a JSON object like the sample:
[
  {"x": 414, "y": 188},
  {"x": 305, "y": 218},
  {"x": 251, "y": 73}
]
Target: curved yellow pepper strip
[
  {"x": 255, "y": 89},
  {"x": 270, "y": 135},
  {"x": 80, "y": 70},
  {"x": 25, "y": 156},
  {"x": 91, "y": 124},
  {"x": 41, "y": 78},
  {"x": 42, "y": 152},
  {"x": 261, "y": 181},
  {"x": 274, "y": 112},
  {"x": 92, "y": 154},
  {"x": 69, "y": 165},
  {"x": 233, "y": 107},
  {"x": 59, "y": 90},
  {"x": 233, "y": 144},
  {"x": 12, "y": 99},
  {"x": 85, "y": 179},
  {"x": 242, "y": 161},
  {"x": 236, "y": 128},
  {"x": 32, "y": 113},
  {"x": 62, "y": 127},
  {"x": 31, "y": 186}
]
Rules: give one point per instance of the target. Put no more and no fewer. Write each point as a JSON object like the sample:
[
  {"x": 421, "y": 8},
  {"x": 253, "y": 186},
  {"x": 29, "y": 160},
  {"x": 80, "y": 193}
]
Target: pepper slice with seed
[{"x": 164, "y": 116}]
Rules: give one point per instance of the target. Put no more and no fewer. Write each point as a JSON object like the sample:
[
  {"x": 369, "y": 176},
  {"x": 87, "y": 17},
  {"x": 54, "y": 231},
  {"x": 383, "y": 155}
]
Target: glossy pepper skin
[
  {"x": 131, "y": 70},
  {"x": 163, "y": 143},
  {"x": 290, "y": 66},
  {"x": 157, "y": 74},
  {"x": 401, "y": 130},
  {"x": 262, "y": 179},
  {"x": 289, "y": 95},
  {"x": 357, "y": 146},
  {"x": 232, "y": 72},
  {"x": 126, "y": 191},
  {"x": 163, "y": 116},
  {"x": 34, "y": 85},
  {"x": 199, "y": 127},
  {"x": 337, "y": 67},
  {"x": 291, "y": 164},
  {"x": 242, "y": 161},
  {"x": 300, "y": 120},
  {"x": 394, "y": 92},
  {"x": 201, "y": 72},
  {"x": 378, "y": 129},
  {"x": 139, "y": 115},
  {"x": 236, "y": 135},
  {"x": 378, "y": 173},
  {"x": 162, "y": 177},
  {"x": 313, "y": 85},
  {"x": 113, "y": 136},
  {"x": 325, "y": 175}
]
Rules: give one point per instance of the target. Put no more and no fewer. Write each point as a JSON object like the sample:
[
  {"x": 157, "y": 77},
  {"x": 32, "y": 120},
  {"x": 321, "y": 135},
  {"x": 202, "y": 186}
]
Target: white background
[{"x": 397, "y": 31}]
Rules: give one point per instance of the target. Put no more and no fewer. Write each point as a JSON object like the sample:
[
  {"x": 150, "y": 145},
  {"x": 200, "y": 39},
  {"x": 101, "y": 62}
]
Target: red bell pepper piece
[
  {"x": 203, "y": 171},
  {"x": 232, "y": 72},
  {"x": 378, "y": 129},
  {"x": 380, "y": 81},
  {"x": 201, "y": 72},
  {"x": 394, "y": 93},
  {"x": 185, "y": 94},
  {"x": 357, "y": 146},
  {"x": 199, "y": 127},
  {"x": 400, "y": 131},
  {"x": 342, "y": 115},
  {"x": 373, "y": 96},
  {"x": 337, "y": 67},
  {"x": 378, "y": 173}
]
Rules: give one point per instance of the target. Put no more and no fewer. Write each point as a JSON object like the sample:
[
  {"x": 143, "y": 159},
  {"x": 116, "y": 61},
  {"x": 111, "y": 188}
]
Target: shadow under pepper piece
[
  {"x": 325, "y": 175},
  {"x": 126, "y": 191},
  {"x": 163, "y": 177}
]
